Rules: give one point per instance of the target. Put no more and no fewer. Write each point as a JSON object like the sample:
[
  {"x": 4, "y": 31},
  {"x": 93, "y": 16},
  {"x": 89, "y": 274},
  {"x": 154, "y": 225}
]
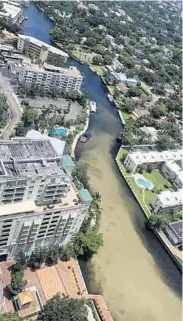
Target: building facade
[
  {"x": 48, "y": 77},
  {"x": 40, "y": 49},
  {"x": 174, "y": 173},
  {"x": 39, "y": 205}
]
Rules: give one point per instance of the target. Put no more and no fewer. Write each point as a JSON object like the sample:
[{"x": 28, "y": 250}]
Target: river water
[{"x": 133, "y": 271}]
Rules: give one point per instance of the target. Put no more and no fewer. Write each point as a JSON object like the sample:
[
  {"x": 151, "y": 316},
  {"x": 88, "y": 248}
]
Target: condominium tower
[
  {"x": 39, "y": 204},
  {"x": 39, "y": 49},
  {"x": 48, "y": 77}
]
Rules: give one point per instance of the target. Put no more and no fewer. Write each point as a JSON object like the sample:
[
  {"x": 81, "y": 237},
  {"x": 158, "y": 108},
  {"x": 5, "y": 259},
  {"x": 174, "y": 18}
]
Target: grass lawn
[
  {"x": 111, "y": 89},
  {"x": 158, "y": 180},
  {"x": 126, "y": 116},
  {"x": 98, "y": 69}
]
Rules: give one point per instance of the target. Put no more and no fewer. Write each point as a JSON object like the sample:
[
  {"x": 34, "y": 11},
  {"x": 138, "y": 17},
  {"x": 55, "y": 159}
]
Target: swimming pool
[
  {"x": 59, "y": 131},
  {"x": 142, "y": 182}
]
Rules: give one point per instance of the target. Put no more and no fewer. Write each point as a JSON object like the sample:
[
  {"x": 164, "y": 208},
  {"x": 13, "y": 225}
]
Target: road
[{"x": 14, "y": 104}]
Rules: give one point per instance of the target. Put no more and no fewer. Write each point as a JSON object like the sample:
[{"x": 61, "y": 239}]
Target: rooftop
[
  {"x": 57, "y": 144},
  {"x": 22, "y": 157},
  {"x": 19, "y": 207},
  {"x": 70, "y": 72},
  {"x": 140, "y": 157},
  {"x": 25, "y": 297},
  {"x": 73, "y": 198},
  {"x": 173, "y": 166},
  {"x": 41, "y": 43},
  {"x": 11, "y": 10},
  {"x": 177, "y": 228},
  {"x": 168, "y": 198}
]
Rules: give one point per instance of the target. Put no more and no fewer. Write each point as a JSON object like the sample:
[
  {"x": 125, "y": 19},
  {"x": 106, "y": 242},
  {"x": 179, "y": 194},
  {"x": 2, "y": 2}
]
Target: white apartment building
[
  {"x": 48, "y": 77},
  {"x": 174, "y": 173},
  {"x": 39, "y": 205},
  {"x": 167, "y": 201},
  {"x": 135, "y": 159},
  {"x": 12, "y": 11},
  {"x": 40, "y": 49}
]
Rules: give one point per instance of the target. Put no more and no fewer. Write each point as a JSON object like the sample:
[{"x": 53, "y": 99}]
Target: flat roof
[
  {"x": 168, "y": 198},
  {"x": 140, "y": 157},
  {"x": 21, "y": 157},
  {"x": 177, "y": 227},
  {"x": 72, "y": 71},
  {"x": 11, "y": 9},
  {"x": 19, "y": 207},
  {"x": 57, "y": 144},
  {"x": 41, "y": 43}
]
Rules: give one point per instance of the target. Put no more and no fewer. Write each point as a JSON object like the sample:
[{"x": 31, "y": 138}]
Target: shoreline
[{"x": 75, "y": 141}]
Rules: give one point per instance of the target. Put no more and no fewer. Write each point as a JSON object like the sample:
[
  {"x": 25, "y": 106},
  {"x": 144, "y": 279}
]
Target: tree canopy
[
  {"x": 12, "y": 316},
  {"x": 64, "y": 309},
  {"x": 86, "y": 242}
]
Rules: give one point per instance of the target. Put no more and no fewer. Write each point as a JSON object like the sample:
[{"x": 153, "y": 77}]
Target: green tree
[
  {"x": 165, "y": 142},
  {"x": 64, "y": 309},
  {"x": 19, "y": 130},
  {"x": 158, "y": 221},
  {"x": 67, "y": 252},
  {"x": 12, "y": 316},
  {"x": 21, "y": 263},
  {"x": 52, "y": 255},
  {"x": 37, "y": 257},
  {"x": 98, "y": 60},
  {"x": 134, "y": 92},
  {"x": 158, "y": 110},
  {"x": 87, "y": 243},
  {"x": 17, "y": 283},
  {"x": 29, "y": 116},
  {"x": 129, "y": 107}
]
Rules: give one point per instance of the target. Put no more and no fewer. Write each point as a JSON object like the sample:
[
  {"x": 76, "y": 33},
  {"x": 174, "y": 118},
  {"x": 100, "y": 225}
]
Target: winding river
[{"x": 133, "y": 271}]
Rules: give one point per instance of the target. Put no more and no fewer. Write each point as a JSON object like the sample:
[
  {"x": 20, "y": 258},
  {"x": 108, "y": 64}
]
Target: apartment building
[
  {"x": 168, "y": 201},
  {"x": 174, "y": 173},
  {"x": 39, "y": 205},
  {"x": 12, "y": 11},
  {"x": 40, "y": 49},
  {"x": 135, "y": 159},
  {"x": 47, "y": 77}
]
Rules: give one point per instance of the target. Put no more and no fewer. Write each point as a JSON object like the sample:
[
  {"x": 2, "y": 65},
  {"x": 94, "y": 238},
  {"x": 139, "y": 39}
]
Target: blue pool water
[
  {"x": 144, "y": 183},
  {"x": 59, "y": 131}
]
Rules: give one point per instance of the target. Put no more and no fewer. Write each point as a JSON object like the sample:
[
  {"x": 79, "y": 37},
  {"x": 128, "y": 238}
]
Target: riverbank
[{"x": 75, "y": 141}]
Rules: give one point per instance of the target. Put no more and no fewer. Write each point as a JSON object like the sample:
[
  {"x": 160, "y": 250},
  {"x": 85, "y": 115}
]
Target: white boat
[
  {"x": 110, "y": 97},
  {"x": 93, "y": 106}
]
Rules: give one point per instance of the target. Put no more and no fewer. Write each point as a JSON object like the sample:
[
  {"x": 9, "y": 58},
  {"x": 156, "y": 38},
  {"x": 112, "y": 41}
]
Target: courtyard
[
  {"x": 143, "y": 196},
  {"x": 64, "y": 278}
]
